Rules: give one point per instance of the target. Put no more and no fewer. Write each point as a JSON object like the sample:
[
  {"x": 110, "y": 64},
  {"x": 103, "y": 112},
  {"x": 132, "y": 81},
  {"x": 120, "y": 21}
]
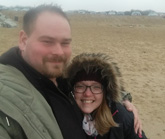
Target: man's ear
[{"x": 22, "y": 40}]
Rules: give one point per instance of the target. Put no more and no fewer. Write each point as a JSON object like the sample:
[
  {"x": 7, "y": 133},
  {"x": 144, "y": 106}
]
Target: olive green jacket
[{"x": 23, "y": 107}]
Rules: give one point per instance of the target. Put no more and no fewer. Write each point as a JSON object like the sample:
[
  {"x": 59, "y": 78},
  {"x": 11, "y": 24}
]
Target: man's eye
[
  {"x": 65, "y": 43},
  {"x": 45, "y": 41}
]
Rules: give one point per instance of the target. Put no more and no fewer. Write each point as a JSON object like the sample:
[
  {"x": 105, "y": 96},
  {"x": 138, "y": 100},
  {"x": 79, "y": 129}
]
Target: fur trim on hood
[{"x": 99, "y": 63}]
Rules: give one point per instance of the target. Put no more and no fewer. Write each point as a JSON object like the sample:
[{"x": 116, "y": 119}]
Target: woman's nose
[{"x": 88, "y": 92}]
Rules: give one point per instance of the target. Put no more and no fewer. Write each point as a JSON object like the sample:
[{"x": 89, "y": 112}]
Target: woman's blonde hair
[{"x": 103, "y": 118}]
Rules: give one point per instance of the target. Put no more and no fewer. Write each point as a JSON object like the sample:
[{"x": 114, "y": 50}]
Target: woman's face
[{"x": 86, "y": 100}]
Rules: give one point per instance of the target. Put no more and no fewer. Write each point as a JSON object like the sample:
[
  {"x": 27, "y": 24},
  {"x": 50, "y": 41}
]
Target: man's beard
[{"x": 56, "y": 70}]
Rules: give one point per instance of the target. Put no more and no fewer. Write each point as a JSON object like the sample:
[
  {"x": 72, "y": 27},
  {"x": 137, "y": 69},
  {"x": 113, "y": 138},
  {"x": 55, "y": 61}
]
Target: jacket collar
[{"x": 13, "y": 58}]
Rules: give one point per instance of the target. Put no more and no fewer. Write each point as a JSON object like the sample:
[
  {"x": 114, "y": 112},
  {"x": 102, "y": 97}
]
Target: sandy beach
[{"x": 136, "y": 44}]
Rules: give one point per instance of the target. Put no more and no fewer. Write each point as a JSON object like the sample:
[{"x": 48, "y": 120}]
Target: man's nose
[{"x": 57, "y": 49}]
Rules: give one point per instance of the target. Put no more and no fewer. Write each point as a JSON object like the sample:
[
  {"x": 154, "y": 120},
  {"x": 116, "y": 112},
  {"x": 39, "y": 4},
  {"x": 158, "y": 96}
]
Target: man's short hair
[{"x": 31, "y": 15}]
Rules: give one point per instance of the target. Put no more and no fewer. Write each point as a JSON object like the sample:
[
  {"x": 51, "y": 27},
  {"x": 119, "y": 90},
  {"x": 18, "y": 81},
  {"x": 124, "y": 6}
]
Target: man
[
  {"x": 40, "y": 108},
  {"x": 33, "y": 96}
]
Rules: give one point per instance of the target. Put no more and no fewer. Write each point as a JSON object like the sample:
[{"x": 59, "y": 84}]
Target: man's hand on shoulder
[{"x": 137, "y": 122}]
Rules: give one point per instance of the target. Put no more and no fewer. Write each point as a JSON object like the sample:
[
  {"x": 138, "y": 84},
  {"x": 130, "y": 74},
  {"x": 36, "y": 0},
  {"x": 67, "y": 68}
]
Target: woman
[{"x": 97, "y": 92}]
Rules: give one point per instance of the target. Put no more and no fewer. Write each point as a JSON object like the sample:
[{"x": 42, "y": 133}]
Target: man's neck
[{"x": 54, "y": 81}]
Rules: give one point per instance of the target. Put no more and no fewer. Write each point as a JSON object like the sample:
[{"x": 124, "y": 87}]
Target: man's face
[{"x": 48, "y": 48}]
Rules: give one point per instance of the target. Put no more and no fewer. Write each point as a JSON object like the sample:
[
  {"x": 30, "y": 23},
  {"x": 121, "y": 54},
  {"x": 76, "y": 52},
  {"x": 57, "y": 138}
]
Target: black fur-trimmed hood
[{"x": 91, "y": 62}]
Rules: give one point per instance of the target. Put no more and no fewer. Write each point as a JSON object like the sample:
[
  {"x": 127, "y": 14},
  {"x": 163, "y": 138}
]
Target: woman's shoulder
[
  {"x": 124, "y": 118},
  {"x": 120, "y": 113}
]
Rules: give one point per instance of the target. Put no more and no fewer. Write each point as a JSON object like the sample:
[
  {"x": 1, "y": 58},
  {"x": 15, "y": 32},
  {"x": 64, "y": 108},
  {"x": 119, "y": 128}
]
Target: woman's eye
[
  {"x": 96, "y": 87},
  {"x": 80, "y": 86}
]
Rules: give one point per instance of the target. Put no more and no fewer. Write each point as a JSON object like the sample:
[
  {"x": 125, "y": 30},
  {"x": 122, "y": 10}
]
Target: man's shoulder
[
  {"x": 13, "y": 84},
  {"x": 11, "y": 74},
  {"x": 7, "y": 69}
]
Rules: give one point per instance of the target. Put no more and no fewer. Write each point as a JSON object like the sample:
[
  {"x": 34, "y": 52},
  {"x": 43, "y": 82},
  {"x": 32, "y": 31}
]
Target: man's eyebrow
[
  {"x": 68, "y": 39},
  {"x": 46, "y": 37},
  {"x": 51, "y": 38}
]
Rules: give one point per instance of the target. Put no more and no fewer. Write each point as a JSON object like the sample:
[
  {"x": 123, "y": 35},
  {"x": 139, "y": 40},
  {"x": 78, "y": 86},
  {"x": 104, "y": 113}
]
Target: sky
[{"x": 94, "y": 5}]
